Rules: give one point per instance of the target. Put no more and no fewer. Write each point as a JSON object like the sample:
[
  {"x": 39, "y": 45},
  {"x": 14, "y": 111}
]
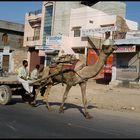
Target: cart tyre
[{"x": 5, "y": 94}]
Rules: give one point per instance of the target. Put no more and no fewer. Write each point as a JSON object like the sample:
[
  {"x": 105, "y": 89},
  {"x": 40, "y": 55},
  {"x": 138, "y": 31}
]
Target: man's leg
[
  {"x": 26, "y": 86},
  {"x": 30, "y": 87}
]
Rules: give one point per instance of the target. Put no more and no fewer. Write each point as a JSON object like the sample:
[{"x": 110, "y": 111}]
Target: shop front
[{"x": 127, "y": 62}]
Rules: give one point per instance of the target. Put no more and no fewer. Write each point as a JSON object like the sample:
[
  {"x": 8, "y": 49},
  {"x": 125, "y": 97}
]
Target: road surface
[{"x": 19, "y": 120}]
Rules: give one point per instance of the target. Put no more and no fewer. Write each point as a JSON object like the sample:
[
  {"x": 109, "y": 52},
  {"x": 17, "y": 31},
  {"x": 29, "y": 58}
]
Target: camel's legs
[
  {"x": 61, "y": 110},
  {"x": 46, "y": 94},
  {"x": 83, "y": 91},
  {"x": 33, "y": 103}
]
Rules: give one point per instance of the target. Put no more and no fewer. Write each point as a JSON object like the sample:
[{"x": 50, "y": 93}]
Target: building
[
  {"x": 53, "y": 19},
  {"x": 11, "y": 45},
  {"x": 90, "y": 33},
  {"x": 126, "y": 62}
]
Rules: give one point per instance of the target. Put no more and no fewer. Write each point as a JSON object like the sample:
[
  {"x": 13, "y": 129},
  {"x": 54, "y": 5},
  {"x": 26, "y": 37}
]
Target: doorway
[{"x": 5, "y": 63}]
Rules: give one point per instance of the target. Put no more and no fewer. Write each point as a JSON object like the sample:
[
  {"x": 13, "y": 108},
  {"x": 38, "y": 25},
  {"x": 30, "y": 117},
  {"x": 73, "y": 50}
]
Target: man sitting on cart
[
  {"x": 35, "y": 73},
  {"x": 23, "y": 77}
]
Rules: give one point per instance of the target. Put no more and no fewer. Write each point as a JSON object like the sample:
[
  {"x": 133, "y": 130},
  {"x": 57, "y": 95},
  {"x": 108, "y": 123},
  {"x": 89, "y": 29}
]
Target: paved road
[{"x": 19, "y": 120}]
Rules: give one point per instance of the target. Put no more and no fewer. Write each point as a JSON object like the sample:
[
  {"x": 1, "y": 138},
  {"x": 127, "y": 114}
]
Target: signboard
[
  {"x": 123, "y": 49},
  {"x": 43, "y": 47},
  {"x": 88, "y": 32},
  {"x": 52, "y": 40}
]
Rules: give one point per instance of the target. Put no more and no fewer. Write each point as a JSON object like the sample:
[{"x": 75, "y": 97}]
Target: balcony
[
  {"x": 34, "y": 18},
  {"x": 32, "y": 41},
  {"x": 33, "y": 38}
]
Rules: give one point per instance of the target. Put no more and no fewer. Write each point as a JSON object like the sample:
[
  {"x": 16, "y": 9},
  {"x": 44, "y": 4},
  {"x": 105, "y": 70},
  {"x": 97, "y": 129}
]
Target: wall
[
  {"x": 17, "y": 57},
  {"x": 62, "y": 16},
  {"x": 15, "y": 39},
  {"x": 112, "y": 7},
  {"x": 29, "y": 31},
  {"x": 132, "y": 25},
  {"x": 88, "y": 14},
  {"x": 14, "y": 31}
]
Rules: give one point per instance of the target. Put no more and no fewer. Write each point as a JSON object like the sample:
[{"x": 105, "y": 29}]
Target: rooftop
[{"x": 11, "y": 26}]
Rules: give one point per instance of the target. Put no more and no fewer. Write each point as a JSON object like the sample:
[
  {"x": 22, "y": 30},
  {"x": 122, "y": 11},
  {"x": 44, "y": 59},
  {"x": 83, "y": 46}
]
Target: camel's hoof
[
  {"x": 88, "y": 116},
  {"x": 33, "y": 104},
  {"x": 61, "y": 110},
  {"x": 49, "y": 108}
]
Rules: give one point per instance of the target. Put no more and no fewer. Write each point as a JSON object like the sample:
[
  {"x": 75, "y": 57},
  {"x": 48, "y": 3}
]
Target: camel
[{"x": 81, "y": 77}]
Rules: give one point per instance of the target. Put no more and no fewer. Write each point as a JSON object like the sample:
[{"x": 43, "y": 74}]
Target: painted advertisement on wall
[{"x": 106, "y": 71}]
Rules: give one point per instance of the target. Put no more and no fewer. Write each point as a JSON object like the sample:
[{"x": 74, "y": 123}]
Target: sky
[
  {"x": 15, "y": 11},
  {"x": 133, "y": 11}
]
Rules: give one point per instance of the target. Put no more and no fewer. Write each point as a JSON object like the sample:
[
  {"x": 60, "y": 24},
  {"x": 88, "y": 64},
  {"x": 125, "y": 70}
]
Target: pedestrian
[
  {"x": 35, "y": 73},
  {"x": 23, "y": 78}
]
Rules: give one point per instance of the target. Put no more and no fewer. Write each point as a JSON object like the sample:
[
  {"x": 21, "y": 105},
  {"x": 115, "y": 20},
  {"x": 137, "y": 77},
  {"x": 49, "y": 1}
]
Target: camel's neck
[{"x": 92, "y": 70}]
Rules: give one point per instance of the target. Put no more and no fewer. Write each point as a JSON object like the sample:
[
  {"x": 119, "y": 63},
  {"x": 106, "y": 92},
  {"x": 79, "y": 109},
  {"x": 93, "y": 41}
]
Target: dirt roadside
[{"x": 100, "y": 96}]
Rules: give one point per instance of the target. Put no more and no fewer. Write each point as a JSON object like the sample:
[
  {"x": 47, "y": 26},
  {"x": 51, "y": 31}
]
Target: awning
[{"x": 132, "y": 41}]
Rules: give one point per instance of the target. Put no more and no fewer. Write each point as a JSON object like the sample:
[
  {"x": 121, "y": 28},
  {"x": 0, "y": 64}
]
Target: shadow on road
[
  {"x": 15, "y": 101},
  {"x": 66, "y": 106},
  {"x": 40, "y": 102}
]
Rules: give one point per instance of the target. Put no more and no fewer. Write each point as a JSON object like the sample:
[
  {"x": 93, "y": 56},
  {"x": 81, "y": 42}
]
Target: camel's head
[{"x": 109, "y": 46}]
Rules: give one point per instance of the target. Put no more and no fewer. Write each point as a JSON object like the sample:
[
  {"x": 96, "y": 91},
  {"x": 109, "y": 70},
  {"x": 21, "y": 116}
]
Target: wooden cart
[{"x": 11, "y": 86}]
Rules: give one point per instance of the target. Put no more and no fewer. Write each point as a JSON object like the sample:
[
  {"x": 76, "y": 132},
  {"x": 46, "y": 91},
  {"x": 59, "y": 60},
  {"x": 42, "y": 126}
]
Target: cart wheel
[{"x": 5, "y": 94}]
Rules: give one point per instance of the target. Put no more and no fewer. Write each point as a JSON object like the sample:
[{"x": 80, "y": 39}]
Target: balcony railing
[
  {"x": 35, "y": 12},
  {"x": 33, "y": 38}
]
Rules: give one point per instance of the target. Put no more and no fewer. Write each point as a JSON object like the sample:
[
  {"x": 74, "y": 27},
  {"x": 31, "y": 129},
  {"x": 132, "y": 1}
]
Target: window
[
  {"x": 48, "y": 22},
  {"x": 77, "y": 32},
  {"x": 48, "y": 30},
  {"x": 5, "y": 39},
  {"x": 42, "y": 60},
  {"x": 36, "y": 33},
  {"x": 107, "y": 25},
  {"x": 91, "y": 21},
  {"x": 20, "y": 41},
  {"x": 107, "y": 35}
]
